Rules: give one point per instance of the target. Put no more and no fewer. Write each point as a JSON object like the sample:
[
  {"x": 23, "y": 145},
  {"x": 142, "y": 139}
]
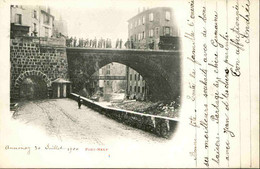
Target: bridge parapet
[{"x": 161, "y": 126}]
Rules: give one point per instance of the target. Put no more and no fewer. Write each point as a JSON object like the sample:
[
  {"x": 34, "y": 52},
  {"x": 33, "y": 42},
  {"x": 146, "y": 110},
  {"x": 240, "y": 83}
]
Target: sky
[{"x": 104, "y": 18}]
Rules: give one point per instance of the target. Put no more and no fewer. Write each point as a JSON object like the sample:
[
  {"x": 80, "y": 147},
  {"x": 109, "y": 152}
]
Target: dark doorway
[{"x": 33, "y": 87}]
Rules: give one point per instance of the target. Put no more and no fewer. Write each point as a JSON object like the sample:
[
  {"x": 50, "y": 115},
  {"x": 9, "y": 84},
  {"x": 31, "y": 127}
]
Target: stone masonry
[
  {"x": 32, "y": 56},
  {"x": 160, "y": 69}
]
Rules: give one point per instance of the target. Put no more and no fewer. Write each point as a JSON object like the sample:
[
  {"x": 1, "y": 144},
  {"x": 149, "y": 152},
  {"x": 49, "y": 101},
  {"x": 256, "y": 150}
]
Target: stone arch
[
  {"x": 26, "y": 74},
  {"x": 157, "y": 78},
  {"x": 161, "y": 69}
]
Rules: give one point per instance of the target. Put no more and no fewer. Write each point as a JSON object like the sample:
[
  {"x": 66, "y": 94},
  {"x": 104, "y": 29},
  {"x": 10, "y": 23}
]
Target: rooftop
[{"x": 148, "y": 10}]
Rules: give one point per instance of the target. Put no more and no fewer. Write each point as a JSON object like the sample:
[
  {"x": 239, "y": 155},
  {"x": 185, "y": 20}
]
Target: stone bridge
[
  {"x": 45, "y": 60},
  {"x": 160, "y": 69}
]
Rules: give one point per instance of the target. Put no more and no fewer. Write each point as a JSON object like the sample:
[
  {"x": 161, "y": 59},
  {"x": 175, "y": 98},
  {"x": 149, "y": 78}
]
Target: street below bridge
[
  {"x": 87, "y": 138},
  {"x": 62, "y": 119}
]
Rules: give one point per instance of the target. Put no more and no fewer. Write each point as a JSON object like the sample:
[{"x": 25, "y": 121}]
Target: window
[
  {"x": 135, "y": 76},
  {"x": 46, "y": 19},
  {"x": 35, "y": 14},
  {"x": 138, "y": 89},
  {"x": 157, "y": 31},
  {"x": 166, "y": 31},
  {"x": 142, "y": 89},
  {"x": 151, "y": 17},
  {"x": 143, "y": 19},
  {"x": 139, "y": 22},
  {"x": 18, "y": 19},
  {"x": 139, "y": 77},
  {"x": 143, "y": 36},
  {"x": 151, "y": 33},
  {"x": 107, "y": 82},
  {"x": 46, "y": 32},
  {"x": 130, "y": 76},
  {"x": 130, "y": 88},
  {"x": 34, "y": 27},
  {"x": 167, "y": 16},
  {"x": 135, "y": 88}
]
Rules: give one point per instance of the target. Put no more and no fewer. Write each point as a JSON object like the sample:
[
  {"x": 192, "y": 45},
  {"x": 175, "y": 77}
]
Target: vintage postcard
[{"x": 131, "y": 83}]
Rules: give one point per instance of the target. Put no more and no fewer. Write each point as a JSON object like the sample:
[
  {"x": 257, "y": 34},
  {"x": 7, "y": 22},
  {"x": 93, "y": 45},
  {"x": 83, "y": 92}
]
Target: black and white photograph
[{"x": 142, "y": 83}]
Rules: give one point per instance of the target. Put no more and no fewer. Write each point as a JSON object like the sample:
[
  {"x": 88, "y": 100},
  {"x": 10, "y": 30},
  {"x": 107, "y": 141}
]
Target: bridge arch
[
  {"x": 154, "y": 75},
  {"x": 35, "y": 75},
  {"x": 161, "y": 70}
]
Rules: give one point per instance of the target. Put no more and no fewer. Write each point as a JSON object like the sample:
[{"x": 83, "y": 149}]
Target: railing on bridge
[
  {"x": 108, "y": 77},
  {"x": 162, "y": 126}
]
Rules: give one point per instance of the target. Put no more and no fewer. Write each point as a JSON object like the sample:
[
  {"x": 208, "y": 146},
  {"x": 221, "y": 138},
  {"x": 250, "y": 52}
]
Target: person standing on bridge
[
  {"x": 95, "y": 43},
  {"x": 117, "y": 43},
  {"x": 79, "y": 102},
  {"x": 120, "y": 44},
  {"x": 75, "y": 42}
]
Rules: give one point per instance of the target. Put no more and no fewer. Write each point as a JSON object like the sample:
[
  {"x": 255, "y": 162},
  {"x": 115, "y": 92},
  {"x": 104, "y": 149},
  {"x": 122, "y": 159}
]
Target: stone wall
[
  {"x": 160, "y": 69},
  {"x": 161, "y": 126},
  {"x": 32, "y": 56}
]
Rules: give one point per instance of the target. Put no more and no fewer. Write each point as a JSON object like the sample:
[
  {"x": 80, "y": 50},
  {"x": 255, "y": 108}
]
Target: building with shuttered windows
[
  {"x": 149, "y": 27},
  {"x": 152, "y": 29}
]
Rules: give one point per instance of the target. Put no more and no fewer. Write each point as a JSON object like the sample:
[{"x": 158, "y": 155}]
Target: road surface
[{"x": 62, "y": 119}]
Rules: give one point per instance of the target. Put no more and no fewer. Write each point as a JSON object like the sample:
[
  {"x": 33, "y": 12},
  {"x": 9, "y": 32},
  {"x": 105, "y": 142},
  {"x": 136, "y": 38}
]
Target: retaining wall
[
  {"x": 161, "y": 126},
  {"x": 34, "y": 56}
]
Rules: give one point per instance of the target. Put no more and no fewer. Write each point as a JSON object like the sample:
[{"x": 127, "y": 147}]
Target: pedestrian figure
[
  {"x": 131, "y": 44},
  {"x": 151, "y": 45},
  {"x": 70, "y": 41},
  {"x": 99, "y": 43},
  {"x": 86, "y": 43},
  {"x": 90, "y": 43},
  {"x": 67, "y": 42},
  {"x": 120, "y": 43},
  {"x": 79, "y": 102},
  {"x": 127, "y": 44},
  {"x": 117, "y": 43},
  {"x": 95, "y": 42},
  {"x": 104, "y": 43},
  {"x": 107, "y": 43},
  {"x": 75, "y": 42}
]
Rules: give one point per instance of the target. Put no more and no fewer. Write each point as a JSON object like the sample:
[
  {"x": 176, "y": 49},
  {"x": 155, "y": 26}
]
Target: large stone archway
[
  {"x": 161, "y": 69},
  {"x": 34, "y": 75}
]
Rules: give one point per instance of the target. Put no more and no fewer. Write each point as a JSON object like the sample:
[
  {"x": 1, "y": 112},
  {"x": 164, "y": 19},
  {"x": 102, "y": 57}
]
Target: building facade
[
  {"x": 34, "y": 21},
  {"x": 136, "y": 86},
  {"x": 148, "y": 28},
  {"x": 112, "y": 69},
  {"x": 152, "y": 29}
]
